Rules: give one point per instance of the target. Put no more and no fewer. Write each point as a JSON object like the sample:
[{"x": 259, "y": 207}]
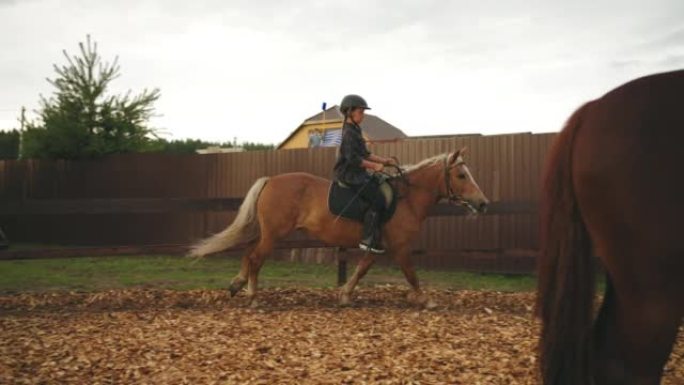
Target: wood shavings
[{"x": 298, "y": 336}]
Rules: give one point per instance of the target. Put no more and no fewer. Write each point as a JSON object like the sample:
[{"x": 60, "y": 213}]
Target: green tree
[
  {"x": 186, "y": 146},
  {"x": 9, "y": 144},
  {"x": 250, "y": 146},
  {"x": 81, "y": 120},
  {"x": 190, "y": 146}
]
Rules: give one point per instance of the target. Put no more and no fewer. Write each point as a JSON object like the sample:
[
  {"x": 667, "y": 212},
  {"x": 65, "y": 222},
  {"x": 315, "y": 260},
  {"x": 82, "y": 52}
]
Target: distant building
[
  {"x": 219, "y": 150},
  {"x": 325, "y": 130}
]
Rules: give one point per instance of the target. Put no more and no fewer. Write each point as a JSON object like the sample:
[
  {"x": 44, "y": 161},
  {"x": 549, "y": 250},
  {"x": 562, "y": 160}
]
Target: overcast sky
[{"x": 255, "y": 69}]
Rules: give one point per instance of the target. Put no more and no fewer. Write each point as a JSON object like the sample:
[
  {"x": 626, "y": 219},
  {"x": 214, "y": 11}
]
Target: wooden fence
[{"x": 152, "y": 199}]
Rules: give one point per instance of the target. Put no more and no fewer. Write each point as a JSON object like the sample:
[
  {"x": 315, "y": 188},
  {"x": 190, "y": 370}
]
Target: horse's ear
[{"x": 453, "y": 157}]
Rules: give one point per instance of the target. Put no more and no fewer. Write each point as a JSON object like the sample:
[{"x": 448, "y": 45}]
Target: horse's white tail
[{"x": 244, "y": 229}]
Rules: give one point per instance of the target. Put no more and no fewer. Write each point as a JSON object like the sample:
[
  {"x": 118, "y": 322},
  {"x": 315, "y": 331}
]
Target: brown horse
[
  {"x": 276, "y": 206},
  {"x": 614, "y": 187}
]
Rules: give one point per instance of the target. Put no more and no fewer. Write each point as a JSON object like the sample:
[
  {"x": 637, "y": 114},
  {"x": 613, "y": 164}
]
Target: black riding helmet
[{"x": 353, "y": 101}]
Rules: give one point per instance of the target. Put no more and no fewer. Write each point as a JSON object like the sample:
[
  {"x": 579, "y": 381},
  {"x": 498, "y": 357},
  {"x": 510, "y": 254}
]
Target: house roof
[{"x": 374, "y": 127}]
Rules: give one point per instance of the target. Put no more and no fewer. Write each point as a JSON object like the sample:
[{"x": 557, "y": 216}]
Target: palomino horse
[
  {"x": 614, "y": 187},
  {"x": 276, "y": 206}
]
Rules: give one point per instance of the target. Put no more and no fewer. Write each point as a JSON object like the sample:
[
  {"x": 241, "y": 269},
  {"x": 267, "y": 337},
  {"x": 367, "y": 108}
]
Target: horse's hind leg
[
  {"x": 240, "y": 280},
  {"x": 634, "y": 336},
  {"x": 256, "y": 260}
]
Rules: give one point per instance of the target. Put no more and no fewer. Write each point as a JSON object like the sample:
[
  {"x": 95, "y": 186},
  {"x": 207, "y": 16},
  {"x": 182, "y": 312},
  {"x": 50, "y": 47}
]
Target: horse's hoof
[
  {"x": 234, "y": 290},
  {"x": 431, "y": 305},
  {"x": 421, "y": 300},
  {"x": 253, "y": 303},
  {"x": 235, "y": 286},
  {"x": 345, "y": 299},
  {"x": 414, "y": 298}
]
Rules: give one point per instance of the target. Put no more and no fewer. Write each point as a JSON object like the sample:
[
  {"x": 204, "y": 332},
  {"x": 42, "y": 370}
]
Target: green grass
[{"x": 100, "y": 273}]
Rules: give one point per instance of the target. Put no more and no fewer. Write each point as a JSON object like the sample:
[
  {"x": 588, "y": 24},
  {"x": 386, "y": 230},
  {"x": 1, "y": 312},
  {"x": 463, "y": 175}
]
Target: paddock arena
[{"x": 297, "y": 336}]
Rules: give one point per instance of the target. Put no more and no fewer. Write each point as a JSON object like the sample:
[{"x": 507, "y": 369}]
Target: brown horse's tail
[
  {"x": 244, "y": 229},
  {"x": 565, "y": 289}
]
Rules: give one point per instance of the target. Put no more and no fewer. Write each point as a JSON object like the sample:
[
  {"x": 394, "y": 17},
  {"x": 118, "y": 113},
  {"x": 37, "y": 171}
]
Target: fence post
[{"x": 341, "y": 266}]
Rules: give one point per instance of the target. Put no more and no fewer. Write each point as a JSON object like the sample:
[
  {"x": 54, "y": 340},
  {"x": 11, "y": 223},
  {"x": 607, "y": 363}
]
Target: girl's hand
[
  {"x": 391, "y": 162},
  {"x": 374, "y": 165}
]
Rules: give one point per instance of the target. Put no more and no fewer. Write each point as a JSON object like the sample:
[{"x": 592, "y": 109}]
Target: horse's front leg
[
  {"x": 361, "y": 269},
  {"x": 417, "y": 296}
]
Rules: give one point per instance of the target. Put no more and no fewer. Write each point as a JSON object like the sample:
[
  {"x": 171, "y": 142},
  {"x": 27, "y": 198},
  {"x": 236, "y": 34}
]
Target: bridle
[{"x": 451, "y": 195}]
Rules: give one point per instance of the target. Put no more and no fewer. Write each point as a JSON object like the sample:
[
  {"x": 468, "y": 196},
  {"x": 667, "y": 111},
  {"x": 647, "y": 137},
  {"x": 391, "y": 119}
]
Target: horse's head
[{"x": 459, "y": 184}]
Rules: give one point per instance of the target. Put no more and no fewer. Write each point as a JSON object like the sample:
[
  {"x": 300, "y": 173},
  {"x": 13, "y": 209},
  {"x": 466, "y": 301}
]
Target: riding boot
[{"x": 371, "y": 240}]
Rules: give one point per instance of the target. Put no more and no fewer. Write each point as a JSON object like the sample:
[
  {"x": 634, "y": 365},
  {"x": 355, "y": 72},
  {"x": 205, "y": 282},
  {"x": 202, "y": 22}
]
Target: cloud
[
  {"x": 674, "y": 61},
  {"x": 622, "y": 64},
  {"x": 256, "y": 69}
]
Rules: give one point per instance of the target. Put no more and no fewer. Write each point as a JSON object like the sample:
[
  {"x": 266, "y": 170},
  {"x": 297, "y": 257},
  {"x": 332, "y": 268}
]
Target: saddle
[{"x": 345, "y": 203}]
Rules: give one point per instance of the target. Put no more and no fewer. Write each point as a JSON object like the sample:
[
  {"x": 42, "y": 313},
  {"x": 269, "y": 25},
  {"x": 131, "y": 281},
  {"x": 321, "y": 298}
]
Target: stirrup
[{"x": 372, "y": 249}]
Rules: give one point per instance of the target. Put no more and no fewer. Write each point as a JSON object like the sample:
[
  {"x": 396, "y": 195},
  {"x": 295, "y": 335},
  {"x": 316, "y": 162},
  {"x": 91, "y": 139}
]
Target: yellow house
[{"x": 325, "y": 130}]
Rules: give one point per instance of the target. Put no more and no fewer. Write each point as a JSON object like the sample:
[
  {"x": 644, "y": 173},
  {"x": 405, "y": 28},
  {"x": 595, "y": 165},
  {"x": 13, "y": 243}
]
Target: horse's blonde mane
[{"x": 425, "y": 162}]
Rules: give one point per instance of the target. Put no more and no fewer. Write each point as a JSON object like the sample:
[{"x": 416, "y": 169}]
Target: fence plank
[
  {"x": 152, "y": 205},
  {"x": 162, "y": 198}
]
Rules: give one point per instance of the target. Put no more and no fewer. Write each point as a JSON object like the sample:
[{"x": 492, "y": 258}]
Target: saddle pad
[{"x": 343, "y": 202}]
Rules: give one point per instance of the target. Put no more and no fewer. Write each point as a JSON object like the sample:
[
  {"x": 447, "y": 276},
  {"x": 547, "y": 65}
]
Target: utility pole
[
  {"x": 22, "y": 119},
  {"x": 22, "y": 126}
]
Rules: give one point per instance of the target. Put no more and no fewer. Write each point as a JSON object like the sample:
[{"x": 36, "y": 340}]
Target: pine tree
[{"x": 81, "y": 120}]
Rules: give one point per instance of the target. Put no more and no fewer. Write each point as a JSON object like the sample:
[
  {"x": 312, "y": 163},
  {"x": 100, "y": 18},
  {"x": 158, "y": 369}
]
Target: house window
[
  {"x": 327, "y": 138},
  {"x": 315, "y": 138},
  {"x": 332, "y": 138}
]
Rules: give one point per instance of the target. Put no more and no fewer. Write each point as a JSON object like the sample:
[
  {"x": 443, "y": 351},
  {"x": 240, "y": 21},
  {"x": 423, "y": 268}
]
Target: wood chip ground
[{"x": 297, "y": 336}]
